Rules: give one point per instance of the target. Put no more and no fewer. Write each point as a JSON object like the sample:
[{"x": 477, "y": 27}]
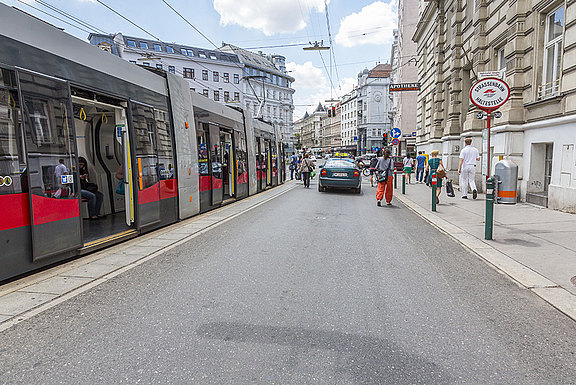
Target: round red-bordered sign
[
  {"x": 395, "y": 141},
  {"x": 489, "y": 94}
]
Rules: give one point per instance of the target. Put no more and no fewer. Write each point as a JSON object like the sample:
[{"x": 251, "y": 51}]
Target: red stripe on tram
[
  {"x": 46, "y": 210},
  {"x": 15, "y": 211}
]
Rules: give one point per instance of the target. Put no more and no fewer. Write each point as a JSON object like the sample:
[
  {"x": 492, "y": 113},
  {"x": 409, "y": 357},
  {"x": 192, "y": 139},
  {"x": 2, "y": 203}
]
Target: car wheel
[{"x": 320, "y": 188}]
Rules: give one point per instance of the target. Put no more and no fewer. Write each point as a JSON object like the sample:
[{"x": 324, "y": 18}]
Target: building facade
[
  {"x": 331, "y": 128},
  {"x": 267, "y": 89},
  {"x": 404, "y": 70},
  {"x": 310, "y": 128},
  {"x": 533, "y": 45},
  {"x": 373, "y": 107},
  {"x": 349, "y": 118},
  {"x": 212, "y": 73}
]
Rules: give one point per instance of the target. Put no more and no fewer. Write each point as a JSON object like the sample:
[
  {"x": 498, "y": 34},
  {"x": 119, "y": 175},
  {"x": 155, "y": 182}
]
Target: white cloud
[
  {"x": 269, "y": 16},
  {"x": 374, "y": 24}
]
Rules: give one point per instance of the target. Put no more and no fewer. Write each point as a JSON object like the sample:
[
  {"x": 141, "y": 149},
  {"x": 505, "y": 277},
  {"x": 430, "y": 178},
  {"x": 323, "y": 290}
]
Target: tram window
[
  {"x": 242, "y": 157},
  {"x": 145, "y": 143},
  {"x": 165, "y": 152},
  {"x": 13, "y": 178},
  {"x": 49, "y": 137},
  {"x": 202, "y": 154}
]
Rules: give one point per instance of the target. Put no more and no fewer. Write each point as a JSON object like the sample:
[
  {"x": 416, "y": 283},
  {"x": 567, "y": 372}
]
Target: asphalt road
[{"x": 309, "y": 288}]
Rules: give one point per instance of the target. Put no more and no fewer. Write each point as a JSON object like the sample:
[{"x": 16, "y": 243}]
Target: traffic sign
[
  {"x": 489, "y": 94},
  {"x": 395, "y": 132},
  {"x": 395, "y": 141}
]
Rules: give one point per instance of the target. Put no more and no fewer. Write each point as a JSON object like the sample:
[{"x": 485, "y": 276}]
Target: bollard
[
  {"x": 489, "y": 222},
  {"x": 395, "y": 179},
  {"x": 403, "y": 183},
  {"x": 433, "y": 183}
]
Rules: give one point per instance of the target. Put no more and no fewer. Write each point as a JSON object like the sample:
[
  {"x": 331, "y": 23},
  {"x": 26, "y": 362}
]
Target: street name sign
[
  {"x": 405, "y": 87},
  {"x": 489, "y": 94},
  {"x": 491, "y": 74}
]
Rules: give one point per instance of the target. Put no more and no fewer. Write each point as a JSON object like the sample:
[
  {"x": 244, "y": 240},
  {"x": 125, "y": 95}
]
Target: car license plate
[{"x": 340, "y": 174}]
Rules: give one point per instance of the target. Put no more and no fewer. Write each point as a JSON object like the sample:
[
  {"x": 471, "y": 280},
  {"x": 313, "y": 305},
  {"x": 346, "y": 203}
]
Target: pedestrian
[
  {"x": 408, "y": 164},
  {"x": 60, "y": 170},
  {"x": 89, "y": 190},
  {"x": 384, "y": 171},
  {"x": 433, "y": 164},
  {"x": 373, "y": 163},
  {"x": 306, "y": 167},
  {"x": 298, "y": 163},
  {"x": 293, "y": 165},
  {"x": 420, "y": 165},
  {"x": 467, "y": 168}
]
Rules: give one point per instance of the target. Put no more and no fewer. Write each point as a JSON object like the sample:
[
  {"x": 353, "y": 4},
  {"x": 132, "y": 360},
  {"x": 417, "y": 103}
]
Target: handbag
[
  {"x": 120, "y": 188},
  {"x": 291, "y": 167},
  {"x": 441, "y": 172},
  {"x": 450, "y": 189},
  {"x": 312, "y": 174}
]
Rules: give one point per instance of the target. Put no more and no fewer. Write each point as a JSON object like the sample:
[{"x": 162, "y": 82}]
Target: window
[
  {"x": 183, "y": 52},
  {"x": 157, "y": 48},
  {"x": 143, "y": 45},
  {"x": 171, "y": 69},
  {"x": 237, "y": 96},
  {"x": 552, "y": 52},
  {"x": 146, "y": 64},
  {"x": 500, "y": 60},
  {"x": 226, "y": 96},
  {"x": 217, "y": 96},
  {"x": 188, "y": 73},
  {"x": 169, "y": 49},
  {"x": 215, "y": 76},
  {"x": 226, "y": 77},
  {"x": 131, "y": 43},
  {"x": 236, "y": 78},
  {"x": 205, "y": 92},
  {"x": 190, "y": 52},
  {"x": 204, "y": 74},
  {"x": 133, "y": 61},
  {"x": 202, "y": 55},
  {"x": 159, "y": 66},
  {"x": 213, "y": 57}
]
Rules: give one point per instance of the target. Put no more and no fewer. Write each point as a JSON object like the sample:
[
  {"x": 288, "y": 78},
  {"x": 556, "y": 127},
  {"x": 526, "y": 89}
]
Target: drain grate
[{"x": 573, "y": 280}]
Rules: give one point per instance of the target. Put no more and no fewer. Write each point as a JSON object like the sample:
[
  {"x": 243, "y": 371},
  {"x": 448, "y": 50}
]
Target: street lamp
[{"x": 316, "y": 46}]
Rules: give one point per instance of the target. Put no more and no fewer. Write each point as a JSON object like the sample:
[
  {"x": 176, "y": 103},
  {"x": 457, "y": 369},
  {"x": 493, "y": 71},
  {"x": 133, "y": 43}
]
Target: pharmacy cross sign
[{"x": 489, "y": 94}]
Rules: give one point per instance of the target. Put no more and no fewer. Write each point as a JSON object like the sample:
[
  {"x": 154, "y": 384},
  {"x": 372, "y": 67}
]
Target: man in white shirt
[{"x": 467, "y": 168}]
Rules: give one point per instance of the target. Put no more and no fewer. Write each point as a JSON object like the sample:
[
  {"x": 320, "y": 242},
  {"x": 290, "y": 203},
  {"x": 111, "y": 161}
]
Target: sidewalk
[{"x": 534, "y": 246}]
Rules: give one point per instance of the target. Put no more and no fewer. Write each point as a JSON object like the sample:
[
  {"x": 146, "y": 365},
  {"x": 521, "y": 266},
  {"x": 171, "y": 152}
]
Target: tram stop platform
[
  {"x": 534, "y": 246},
  {"x": 26, "y": 297}
]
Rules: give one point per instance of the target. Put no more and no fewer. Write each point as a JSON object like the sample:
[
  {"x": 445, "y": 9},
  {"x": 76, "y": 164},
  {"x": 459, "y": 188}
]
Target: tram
[{"x": 155, "y": 152}]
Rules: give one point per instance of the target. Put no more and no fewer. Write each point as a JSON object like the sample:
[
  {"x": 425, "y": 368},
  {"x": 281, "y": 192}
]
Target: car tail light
[
  {"x": 356, "y": 173},
  {"x": 323, "y": 172}
]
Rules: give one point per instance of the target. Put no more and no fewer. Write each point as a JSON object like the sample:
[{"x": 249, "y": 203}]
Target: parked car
[{"x": 340, "y": 173}]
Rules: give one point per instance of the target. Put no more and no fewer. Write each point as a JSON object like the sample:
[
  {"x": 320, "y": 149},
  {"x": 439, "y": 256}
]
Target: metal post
[
  {"x": 434, "y": 179},
  {"x": 489, "y": 222},
  {"x": 403, "y": 183},
  {"x": 395, "y": 179}
]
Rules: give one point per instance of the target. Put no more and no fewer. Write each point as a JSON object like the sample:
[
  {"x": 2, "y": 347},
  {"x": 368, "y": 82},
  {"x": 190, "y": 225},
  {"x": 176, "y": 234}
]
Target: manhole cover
[{"x": 573, "y": 280}]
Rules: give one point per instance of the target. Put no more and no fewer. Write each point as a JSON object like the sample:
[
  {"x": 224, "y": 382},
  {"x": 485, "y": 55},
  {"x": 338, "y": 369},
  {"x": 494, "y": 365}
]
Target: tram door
[
  {"x": 52, "y": 165},
  {"x": 146, "y": 166},
  {"x": 228, "y": 161},
  {"x": 259, "y": 165},
  {"x": 268, "y": 161},
  {"x": 216, "y": 157}
]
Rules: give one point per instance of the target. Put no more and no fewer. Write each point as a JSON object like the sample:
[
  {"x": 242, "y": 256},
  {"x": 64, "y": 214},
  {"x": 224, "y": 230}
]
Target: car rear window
[{"x": 339, "y": 163}]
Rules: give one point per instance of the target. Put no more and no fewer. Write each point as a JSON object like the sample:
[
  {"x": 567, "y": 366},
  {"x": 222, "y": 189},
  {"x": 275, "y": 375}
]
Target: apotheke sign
[{"x": 489, "y": 94}]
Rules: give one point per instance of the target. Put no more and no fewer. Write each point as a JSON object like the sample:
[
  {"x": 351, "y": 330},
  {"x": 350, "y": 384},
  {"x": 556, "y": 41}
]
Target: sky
[{"x": 361, "y": 33}]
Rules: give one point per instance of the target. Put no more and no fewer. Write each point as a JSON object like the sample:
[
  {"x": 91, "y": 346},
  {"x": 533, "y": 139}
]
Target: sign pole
[{"x": 488, "y": 120}]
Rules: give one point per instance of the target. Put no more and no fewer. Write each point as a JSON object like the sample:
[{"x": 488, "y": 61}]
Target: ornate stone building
[
  {"x": 533, "y": 44},
  {"x": 331, "y": 131}
]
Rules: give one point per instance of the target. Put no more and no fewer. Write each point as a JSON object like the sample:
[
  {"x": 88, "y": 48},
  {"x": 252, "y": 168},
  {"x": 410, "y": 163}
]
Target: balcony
[{"x": 548, "y": 90}]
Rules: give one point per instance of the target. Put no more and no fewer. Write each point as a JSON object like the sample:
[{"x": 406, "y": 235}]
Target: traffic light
[
  {"x": 334, "y": 111},
  {"x": 385, "y": 139},
  {"x": 329, "y": 112}
]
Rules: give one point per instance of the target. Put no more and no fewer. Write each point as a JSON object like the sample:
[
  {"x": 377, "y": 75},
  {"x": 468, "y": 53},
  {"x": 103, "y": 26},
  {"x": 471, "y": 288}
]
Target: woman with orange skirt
[{"x": 384, "y": 172}]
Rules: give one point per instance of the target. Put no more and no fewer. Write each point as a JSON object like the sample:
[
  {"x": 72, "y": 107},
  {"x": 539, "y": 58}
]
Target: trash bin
[{"x": 506, "y": 172}]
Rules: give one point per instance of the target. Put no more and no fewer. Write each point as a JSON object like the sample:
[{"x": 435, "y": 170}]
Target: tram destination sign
[
  {"x": 405, "y": 87},
  {"x": 489, "y": 94}
]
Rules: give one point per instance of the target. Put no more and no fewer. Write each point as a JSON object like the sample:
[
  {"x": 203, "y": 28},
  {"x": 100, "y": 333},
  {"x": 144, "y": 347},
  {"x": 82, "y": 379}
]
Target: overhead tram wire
[
  {"x": 55, "y": 17},
  {"x": 128, "y": 20},
  {"x": 69, "y": 16},
  {"x": 331, "y": 43}
]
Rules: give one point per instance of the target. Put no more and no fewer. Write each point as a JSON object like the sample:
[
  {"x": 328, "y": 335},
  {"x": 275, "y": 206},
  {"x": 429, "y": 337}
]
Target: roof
[
  {"x": 320, "y": 108},
  {"x": 380, "y": 71},
  {"x": 257, "y": 60}
]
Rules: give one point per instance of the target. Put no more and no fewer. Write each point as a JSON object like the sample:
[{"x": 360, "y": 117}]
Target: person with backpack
[
  {"x": 293, "y": 165},
  {"x": 384, "y": 172},
  {"x": 306, "y": 167}
]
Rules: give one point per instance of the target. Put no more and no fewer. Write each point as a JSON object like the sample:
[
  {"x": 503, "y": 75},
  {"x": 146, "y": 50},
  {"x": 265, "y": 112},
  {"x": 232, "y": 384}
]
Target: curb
[{"x": 549, "y": 291}]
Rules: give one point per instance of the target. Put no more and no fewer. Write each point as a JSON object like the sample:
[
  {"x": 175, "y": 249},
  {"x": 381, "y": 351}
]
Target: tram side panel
[
  {"x": 251, "y": 144},
  {"x": 186, "y": 147}
]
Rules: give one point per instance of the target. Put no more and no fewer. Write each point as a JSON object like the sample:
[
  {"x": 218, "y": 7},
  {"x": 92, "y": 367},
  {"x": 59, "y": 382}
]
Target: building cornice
[{"x": 425, "y": 18}]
